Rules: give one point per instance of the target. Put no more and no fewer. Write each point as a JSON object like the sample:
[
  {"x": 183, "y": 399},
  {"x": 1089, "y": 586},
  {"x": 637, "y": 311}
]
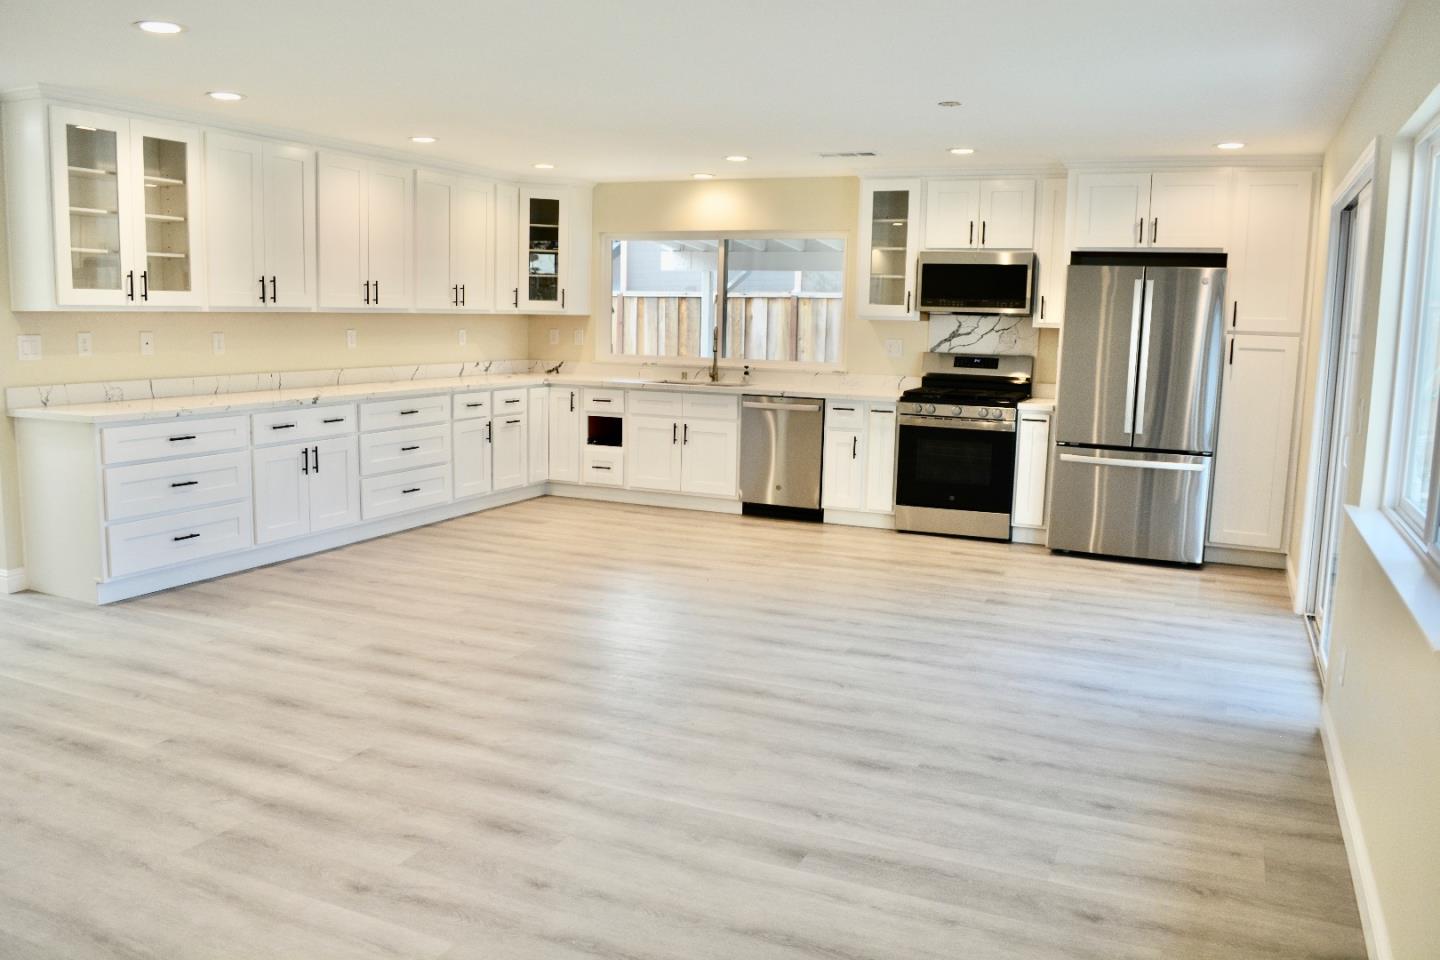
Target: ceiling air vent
[{"x": 849, "y": 153}]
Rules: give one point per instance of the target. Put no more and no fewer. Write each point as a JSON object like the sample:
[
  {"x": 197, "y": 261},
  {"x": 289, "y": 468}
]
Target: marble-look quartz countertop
[
  {"x": 1046, "y": 404},
  {"x": 167, "y": 408}
]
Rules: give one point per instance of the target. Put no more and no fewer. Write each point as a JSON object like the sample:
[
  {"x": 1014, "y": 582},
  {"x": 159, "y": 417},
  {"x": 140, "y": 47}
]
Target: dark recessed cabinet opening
[{"x": 602, "y": 431}]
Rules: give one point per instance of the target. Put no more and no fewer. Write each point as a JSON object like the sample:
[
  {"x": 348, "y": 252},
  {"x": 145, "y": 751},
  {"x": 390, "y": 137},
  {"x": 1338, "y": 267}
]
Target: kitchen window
[
  {"x": 1415, "y": 481},
  {"x": 784, "y": 298}
]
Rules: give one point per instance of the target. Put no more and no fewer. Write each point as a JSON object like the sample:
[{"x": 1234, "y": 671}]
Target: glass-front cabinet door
[
  {"x": 166, "y": 163},
  {"x": 889, "y": 234},
  {"x": 544, "y": 245}
]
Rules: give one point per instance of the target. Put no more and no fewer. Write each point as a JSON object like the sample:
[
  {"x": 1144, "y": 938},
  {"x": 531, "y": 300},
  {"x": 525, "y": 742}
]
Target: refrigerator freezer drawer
[{"x": 1149, "y": 506}]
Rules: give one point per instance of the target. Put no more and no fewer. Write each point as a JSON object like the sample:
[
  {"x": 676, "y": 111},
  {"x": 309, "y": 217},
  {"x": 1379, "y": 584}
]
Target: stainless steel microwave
[{"x": 976, "y": 281}]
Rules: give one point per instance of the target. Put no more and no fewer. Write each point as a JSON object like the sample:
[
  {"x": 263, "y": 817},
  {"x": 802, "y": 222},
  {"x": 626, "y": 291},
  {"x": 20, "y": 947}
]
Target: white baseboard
[
  {"x": 12, "y": 581},
  {"x": 1245, "y": 558},
  {"x": 1367, "y": 896},
  {"x": 857, "y": 518},
  {"x": 644, "y": 498},
  {"x": 1028, "y": 535}
]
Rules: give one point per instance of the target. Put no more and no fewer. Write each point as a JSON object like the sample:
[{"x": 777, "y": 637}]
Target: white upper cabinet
[
  {"x": 994, "y": 214},
  {"x": 454, "y": 234},
  {"x": 1052, "y": 255},
  {"x": 1181, "y": 209},
  {"x": 546, "y": 248},
  {"x": 507, "y": 248},
  {"x": 889, "y": 241},
  {"x": 365, "y": 210},
  {"x": 1269, "y": 245},
  {"x": 168, "y": 239},
  {"x": 260, "y": 223}
]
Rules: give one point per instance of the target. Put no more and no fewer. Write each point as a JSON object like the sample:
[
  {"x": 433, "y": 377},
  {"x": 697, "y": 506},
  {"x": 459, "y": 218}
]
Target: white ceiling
[{"x": 650, "y": 89}]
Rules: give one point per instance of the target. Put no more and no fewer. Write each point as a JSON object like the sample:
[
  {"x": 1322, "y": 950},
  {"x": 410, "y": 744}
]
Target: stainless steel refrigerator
[{"x": 1135, "y": 414}]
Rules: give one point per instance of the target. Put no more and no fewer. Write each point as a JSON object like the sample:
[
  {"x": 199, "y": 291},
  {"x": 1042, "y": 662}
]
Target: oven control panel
[{"x": 962, "y": 411}]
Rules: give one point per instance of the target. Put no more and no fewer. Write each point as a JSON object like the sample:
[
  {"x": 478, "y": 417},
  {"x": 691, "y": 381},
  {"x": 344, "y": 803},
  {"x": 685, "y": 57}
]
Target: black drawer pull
[
  {"x": 334, "y": 420},
  {"x": 843, "y": 409},
  {"x": 408, "y": 449},
  {"x": 185, "y": 483},
  {"x": 597, "y": 466},
  {"x": 188, "y": 536},
  {"x": 600, "y": 400},
  {"x": 406, "y": 413},
  {"x": 512, "y": 421},
  {"x": 281, "y": 426},
  {"x": 513, "y": 400},
  {"x": 472, "y": 406},
  {"x": 411, "y": 490},
  {"x": 188, "y": 436}
]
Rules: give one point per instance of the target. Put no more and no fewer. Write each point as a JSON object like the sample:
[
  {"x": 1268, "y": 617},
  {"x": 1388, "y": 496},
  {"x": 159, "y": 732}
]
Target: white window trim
[
  {"x": 1422, "y": 533},
  {"x": 601, "y": 317}
]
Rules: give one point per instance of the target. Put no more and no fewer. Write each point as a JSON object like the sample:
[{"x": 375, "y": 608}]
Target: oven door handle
[{"x": 958, "y": 423}]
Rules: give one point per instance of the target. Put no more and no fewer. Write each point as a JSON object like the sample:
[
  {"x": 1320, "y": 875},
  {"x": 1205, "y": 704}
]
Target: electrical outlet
[
  {"x": 351, "y": 339},
  {"x": 147, "y": 343},
  {"x": 464, "y": 337},
  {"x": 217, "y": 342},
  {"x": 554, "y": 337},
  {"x": 29, "y": 346},
  {"x": 84, "y": 344},
  {"x": 894, "y": 348},
  {"x": 579, "y": 336}
]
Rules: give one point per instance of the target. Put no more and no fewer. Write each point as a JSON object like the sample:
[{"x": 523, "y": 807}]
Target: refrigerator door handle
[
  {"x": 1134, "y": 464},
  {"x": 1144, "y": 375},
  {"x": 1135, "y": 313}
]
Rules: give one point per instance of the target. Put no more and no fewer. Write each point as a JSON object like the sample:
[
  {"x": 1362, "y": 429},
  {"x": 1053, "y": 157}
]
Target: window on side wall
[{"x": 784, "y": 298}]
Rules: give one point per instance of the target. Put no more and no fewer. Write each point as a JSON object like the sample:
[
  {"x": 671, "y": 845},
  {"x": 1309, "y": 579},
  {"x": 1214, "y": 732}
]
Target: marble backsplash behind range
[
  {"x": 110, "y": 391},
  {"x": 1003, "y": 336}
]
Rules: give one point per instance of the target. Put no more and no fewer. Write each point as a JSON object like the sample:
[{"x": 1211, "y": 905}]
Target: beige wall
[
  {"x": 821, "y": 204},
  {"x": 1383, "y": 694},
  {"x": 253, "y": 342}
]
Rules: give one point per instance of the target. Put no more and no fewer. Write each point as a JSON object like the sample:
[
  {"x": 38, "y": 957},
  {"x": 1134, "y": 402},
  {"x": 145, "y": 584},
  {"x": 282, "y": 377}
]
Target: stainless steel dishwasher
[{"x": 781, "y": 439}]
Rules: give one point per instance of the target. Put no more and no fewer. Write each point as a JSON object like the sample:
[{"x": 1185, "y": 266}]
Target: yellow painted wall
[{"x": 822, "y": 204}]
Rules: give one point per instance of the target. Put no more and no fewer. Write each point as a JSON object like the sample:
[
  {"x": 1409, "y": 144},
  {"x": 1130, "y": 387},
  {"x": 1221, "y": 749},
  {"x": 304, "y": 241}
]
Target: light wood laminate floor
[{"x": 572, "y": 730}]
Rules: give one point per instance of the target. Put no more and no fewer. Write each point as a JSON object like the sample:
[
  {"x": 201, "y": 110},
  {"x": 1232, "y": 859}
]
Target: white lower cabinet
[
  {"x": 174, "y": 538},
  {"x": 1032, "y": 463},
  {"x": 604, "y": 466},
  {"x": 472, "y": 458},
  {"x": 1252, "y": 450},
  {"x": 168, "y": 485},
  {"x": 694, "y": 449},
  {"x": 709, "y": 457},
  {"x": 653, "y": 455},
  {"x": 306, "y": 488},
  {"x": 508, "y": 448},
  {"x": 843, "y": 480},
  {"x": 564, "y": 434},
  {"x": 405, "y": 491},
  {"x": 538, "y": 425},
  {"x": 880, "y": 458},
  {"x": 858, "y": 465}
]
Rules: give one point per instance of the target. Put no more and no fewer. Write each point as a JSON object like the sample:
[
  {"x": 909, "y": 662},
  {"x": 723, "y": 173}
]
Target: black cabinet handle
[
  {"x": 473, "y": 405},
  {"x": 462, "y": 294},
  {"x": 517, "y": 298},
  {"x": 188, "y": 536},
  {"x": 513, "y": 400},
  {"x": 406, "y": 413},
  {"x": 843, "y": 409},
  {"x": 1234, "y": 313},
  {"x": 598, "y": 466},
  {"x": 130, "y": 283},
  {"x": 600, "y": 400},
  {"x": 305, "y": 461},
  {"x": 572, "y": 401},
  {"x": 983, "y": 225},
  {"x": 262, "y": 289},
  {"x": 188, "y": 436},
  {"x": 1155, "y": 230},
  {"x": 281, "y": 426},
  {"x": 185, "y": 483},
  {"x": 512, "y": 421},
  {"x": 854, "y": 447},
  {"x": 907, "y": 301},
  {"x": 1042, "y": 306},
  {"x": 409, "y": 448},
  {"x": 489, "y": 432},
  {"x": 411, "y": 490},
  {"x": 272, "y": 288},
  {"x": 674, "y": 433},
  {"x": 367, "y": 291},
  {"x": 377, "y": 293},
  {"x": 972, "y": 232},
  {"x": 562, "y": 298},
  {"x": 315, "y": 452},
  {"x": 1140, "y": 232},
  {"x": 1231, "y": 361},
  {"x": 685, "y": 434},
  {"x": 455, "y": 295},
  {"x": 144, "y": 284},
  {"x": 334, "y": 420}
]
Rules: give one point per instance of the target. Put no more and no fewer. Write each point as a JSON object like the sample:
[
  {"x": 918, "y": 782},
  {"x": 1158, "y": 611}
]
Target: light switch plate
[
  {"x": 217, "y": 342},
  {"x": 554, "y": 336},
  {"x": 29, "y": 346},
  {"x": 147, "y": 343},
  {"x": 84, "y": 344},
  {"x": 894, "y": 348},
  {"x": 579, "y": 336},
  {"x": 351, "y": 339},
  {"x": 464, "y": 337}
]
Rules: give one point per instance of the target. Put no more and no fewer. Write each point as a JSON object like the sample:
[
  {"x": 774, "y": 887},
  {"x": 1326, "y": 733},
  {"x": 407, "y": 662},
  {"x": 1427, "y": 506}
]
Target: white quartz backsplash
[{"x": 1003, "y": 336}]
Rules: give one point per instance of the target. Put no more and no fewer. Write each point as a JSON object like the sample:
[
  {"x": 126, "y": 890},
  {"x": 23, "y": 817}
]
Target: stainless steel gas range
[{"x": 955, "y": 461}]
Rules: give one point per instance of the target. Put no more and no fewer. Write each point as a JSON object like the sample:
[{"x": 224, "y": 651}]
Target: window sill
[{"x": 1410, "y": 575}]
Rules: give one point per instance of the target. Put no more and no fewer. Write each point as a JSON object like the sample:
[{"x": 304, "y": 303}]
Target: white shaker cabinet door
[
  {"x": 235, "y": 220},
  {"x": 334, "y": 483},
  {"x": 472, "y": 458},
  {"x": 436, "y": 286},
  {"x": 1007, "y": 214},
  {"x": 565, "y": 434},
  {"x": 653, "y": 453},
  {"x": 389, "y": 235},
  {"x": 880, "y": 459},
  {"x": 710, "y": 457},
  {"x": 508, "y": 449},
  {"x": 843, "y": 478},
  {"x": 1110, "y": 210},
  {"x": 290, "y": 258},
  {"x": 282, "y": 492},
  {"x": 1269, "y": 247},
  {"x": 952, "y": 214},
  {"x": 341, "y": 194},
  {"x": 1032, "y": 458},
  {"x": 1189, "y": 208},
  {"x": 538, "y": 426}
]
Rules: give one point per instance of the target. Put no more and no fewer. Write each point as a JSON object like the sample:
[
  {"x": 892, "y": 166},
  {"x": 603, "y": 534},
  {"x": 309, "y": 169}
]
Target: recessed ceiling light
[
  {"x": 422, "y": 139},
  {"x": 737, "y": 158},
  {"x": 949, "y": 103},
  {"x": 702, "y": 176},
  {"x": 962, "y": 151},
  {"x": 161, "y": 27},
  {"x": 544, "y": 166},
  {"x": 228, "y": 96},
  {"x": 1231, "y": 145}
]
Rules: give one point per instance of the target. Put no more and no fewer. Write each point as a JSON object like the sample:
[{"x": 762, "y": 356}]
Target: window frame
[
  {"x": 1423, "y": 211},
  {"x": 603, "y": 348}
]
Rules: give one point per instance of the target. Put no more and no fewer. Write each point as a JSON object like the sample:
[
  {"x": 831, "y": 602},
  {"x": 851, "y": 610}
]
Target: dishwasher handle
[{"x": 768, "y": 405}]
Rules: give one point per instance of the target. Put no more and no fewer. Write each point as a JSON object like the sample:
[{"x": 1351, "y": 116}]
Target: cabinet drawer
[
  {"x": 308, "y": 423},
  {"x": 653, "y": 403},
  {"x": 169, "y": 485},
  {"x": 844, "y": 414},
  {"x": 471, "y": 406},
  {"x": 510, "y": 401},
  {"x": 712, "y": 406},
  {"x": 410, "y": 412},
  {"x": 141, "y": 545},
  {"x": 604, "y": 466},
  {"x": 404, "y": 449},
  {"x": 599, "y": 400},
  {"x": 174, "y": 438},
  {"x": 399, "y": 492}
]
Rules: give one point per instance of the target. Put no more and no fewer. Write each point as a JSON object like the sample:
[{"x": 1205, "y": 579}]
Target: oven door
[{"x": 955, "y": 476}]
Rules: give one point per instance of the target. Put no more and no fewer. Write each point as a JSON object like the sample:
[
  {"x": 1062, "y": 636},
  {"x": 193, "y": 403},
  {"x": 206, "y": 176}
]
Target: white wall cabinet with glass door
[
  {"x": 454, "y": 243},
  {"x": 974, "y": 213},
  {"x": 554, "y": 232},
  {"x": 127, "y": 204},
  {"x": 365, "y": 233},
  {"x": 889, "y": 244},
  {"x": 260, "y": 223},
  {"x": 1171, "y": 209}
]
